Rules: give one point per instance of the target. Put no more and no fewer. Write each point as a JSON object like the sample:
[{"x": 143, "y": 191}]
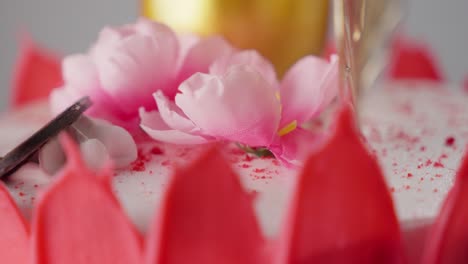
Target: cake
[{"x": 413, "y": 132}]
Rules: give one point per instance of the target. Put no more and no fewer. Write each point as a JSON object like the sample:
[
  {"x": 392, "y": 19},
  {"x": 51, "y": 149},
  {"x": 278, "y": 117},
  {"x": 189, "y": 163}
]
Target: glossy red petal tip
[
  {"x": 37, "y": 73},
  {"x": 448, "y": 239},
  {"x": 206, "y": 217},
  {"x": 342, "y": 211},
  {"x": 14, "y": 238},
  {"x": 411, "y": 60},
  {"x": 79, "y": 220}
]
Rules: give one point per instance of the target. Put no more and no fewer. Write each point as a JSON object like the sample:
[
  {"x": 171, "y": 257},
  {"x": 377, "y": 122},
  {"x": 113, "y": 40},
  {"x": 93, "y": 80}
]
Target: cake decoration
[
  {"x": 448, "y": 235},
  {"x": 204, "y": 89},
  {"x": 79, "y": 211},
  {"x": 128, "y": 64},
  {"x": 14, "y": 241},
  {"x": 207, "y": 217},
  {"x": 245, "y": 106},
  {"x": 98, "y": 140},
  {"x": 410, "y": 59},
  {"x": 37, "y": 73},
  {"x": 27, "y": 149},
  {"x": 466, "y": 84},
  {"x": 341, "y": 210}
]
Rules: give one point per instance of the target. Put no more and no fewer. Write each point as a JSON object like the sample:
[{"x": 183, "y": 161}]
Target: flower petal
[
  {"x": 308, "y": 87},
  {"x": 153, "y": 124},
  {"x": 247, "y": 57},
  {"x": 132, "y": 69},
  {"x": 14, "y": 241},
  {"x": 172, "y": 114},
  {"x": 80, "y": 198},
  {"x": 341, "y": 210},
  {"x": 60, "y": 99},
  {"x": 411, "y": 60},
  {"x": 206, "y": 217},
  {"x": 239, "y": 106},
  {"x": 202, "y": 55},
  {"x": 291, "y": 148},
  {"x": 186, "y": 43},
  {"x": 118, "y": 143},
  {"x": 37, "y": 73}
]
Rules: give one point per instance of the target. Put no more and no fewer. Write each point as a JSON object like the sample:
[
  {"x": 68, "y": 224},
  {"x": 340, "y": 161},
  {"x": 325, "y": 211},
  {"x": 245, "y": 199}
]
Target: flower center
[{"x": 288, "y": 128}]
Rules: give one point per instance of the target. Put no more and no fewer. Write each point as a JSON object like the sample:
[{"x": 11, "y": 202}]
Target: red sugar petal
[
  {"x": 330, "y": 49},
  {"x": 342, "y": 211},
  {"x": 412, "y": 60},
  {"x": 37, "y": 73},
  {"x": 207, "y": 218},
  {"x": 466, "y": 84},
  {"x": 14, "y": 241},
  {"x": 78, "y": 220},
  {"x": 448, "y": 239}
]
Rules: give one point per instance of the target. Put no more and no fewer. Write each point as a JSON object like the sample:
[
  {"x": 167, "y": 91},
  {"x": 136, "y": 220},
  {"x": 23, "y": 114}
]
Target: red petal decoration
[
  {"x": 342, "y": 211},
  {"x": 14, "y": 237},
  {"x": 37, "y": 73},
  {"x": 206, "y": 218},
  {"x": 78, "y": 220},
  {"x": 448, "y": 239},
  {"x": 411, "y": 60},
  {"x": 330, "y": 49},
  {"x": 466, "y": 84}
]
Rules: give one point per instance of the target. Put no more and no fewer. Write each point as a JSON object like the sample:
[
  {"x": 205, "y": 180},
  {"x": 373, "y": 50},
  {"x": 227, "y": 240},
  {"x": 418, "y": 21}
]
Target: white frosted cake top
[{"x": 419, "y": 136}]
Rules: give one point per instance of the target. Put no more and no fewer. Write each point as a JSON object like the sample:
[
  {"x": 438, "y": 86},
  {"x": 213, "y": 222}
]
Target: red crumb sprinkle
[
  {"x": 422, "y": 148},
  {"x": 138, "y": 165},
  {"x": 410, "y": 175},
  {"x": 450, "y": 141},
  {"x": 156, "y": 151},
  {"x": 436, "y": 190},
  {"x": 438, "y": 164},
  {"x": 259, "y": 170},
  {"x": 407, "y": 187},
  {"x": 36, "y": 186},
  {"x": 245, "y": 166},
  {"x": 428, "y": 162},
  {"x": 21, "y": 194},
  {"x": 276, "y": 162},
  {"x": 438, "y": 175},
  {"x": 165, "y": 163},
  {"x": 247, "y": 158}
]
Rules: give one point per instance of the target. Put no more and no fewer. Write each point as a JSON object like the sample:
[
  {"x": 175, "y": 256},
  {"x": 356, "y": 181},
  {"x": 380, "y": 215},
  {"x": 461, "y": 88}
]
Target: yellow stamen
[
  {"x": 278, "y": 95},
  {"x": 288, "y": 128}
]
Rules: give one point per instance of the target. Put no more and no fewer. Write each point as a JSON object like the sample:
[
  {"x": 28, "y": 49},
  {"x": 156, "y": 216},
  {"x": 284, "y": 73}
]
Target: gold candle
[{"x": 282, "y": 30}]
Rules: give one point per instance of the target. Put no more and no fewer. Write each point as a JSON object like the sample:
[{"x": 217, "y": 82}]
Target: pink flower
[
  {"x": 128, "y": 64},
  {"x": 240, "y": 100}
]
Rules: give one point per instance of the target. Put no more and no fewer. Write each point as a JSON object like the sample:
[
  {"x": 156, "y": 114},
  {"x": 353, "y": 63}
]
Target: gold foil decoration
[
  {"x": 363, "y": 29},
  {"x": 282, "y": 30}
]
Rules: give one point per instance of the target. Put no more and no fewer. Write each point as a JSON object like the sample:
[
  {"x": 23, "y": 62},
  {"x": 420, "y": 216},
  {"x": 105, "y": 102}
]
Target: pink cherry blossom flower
[
  {"x": 128, "y": 64},
  {"x": 240, "y": 100}
]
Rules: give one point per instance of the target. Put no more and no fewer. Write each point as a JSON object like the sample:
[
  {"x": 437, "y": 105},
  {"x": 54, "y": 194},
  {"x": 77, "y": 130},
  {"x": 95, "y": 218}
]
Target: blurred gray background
[{"x": 68, "y": 26}]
